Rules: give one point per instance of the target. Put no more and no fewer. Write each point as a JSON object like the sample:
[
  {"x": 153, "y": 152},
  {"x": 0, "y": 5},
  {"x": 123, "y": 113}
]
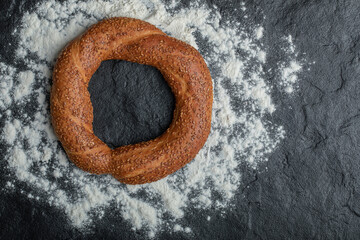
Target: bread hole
[{"x": 131, "y": 103}]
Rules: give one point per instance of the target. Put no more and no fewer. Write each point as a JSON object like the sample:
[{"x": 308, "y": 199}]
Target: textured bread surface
[{"x": 133, "y": 40}]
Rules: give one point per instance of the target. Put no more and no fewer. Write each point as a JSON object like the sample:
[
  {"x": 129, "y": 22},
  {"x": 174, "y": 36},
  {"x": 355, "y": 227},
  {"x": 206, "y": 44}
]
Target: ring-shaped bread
[{"x": 137, "y": 41}]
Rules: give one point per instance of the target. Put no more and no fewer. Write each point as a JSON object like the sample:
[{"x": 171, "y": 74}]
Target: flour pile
[{"x": 240, "y": 133}]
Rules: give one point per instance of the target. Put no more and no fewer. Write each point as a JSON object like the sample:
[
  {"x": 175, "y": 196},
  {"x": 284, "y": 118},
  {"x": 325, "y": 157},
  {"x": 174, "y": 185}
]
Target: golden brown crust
[{"x": 137, "y": 41}]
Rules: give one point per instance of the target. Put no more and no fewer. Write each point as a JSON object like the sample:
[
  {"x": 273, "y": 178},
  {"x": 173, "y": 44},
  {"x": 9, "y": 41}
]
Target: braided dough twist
[{"x": 137, "y": 41}]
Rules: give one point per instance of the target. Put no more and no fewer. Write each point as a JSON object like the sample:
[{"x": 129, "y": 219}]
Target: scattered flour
[
  {"x": 289, "y": 75},
  {"x": 10, "y": 132},
  {"x": 6, "y": 83},
  {"x": 259, "y": 32},
  {"x": 23, "y": 89},
  {"x": 289, "y": 70},
  {"x": 240, "y": 134}
]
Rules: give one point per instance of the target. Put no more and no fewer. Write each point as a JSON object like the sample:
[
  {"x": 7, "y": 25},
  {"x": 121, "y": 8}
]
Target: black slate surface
[
  {"x": 132, "y": 103},
  {"x": 311, "y": 188}
]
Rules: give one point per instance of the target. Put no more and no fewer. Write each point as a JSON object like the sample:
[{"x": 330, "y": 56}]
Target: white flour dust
[
  {"x": 240, "y": 132},
  {"x": 291, "y": 68}
]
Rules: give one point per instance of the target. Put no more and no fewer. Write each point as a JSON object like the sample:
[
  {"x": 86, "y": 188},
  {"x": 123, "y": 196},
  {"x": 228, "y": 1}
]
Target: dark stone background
[
  {"x": 311, "y": 187},
  {"x": 129, "y": 107}
]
